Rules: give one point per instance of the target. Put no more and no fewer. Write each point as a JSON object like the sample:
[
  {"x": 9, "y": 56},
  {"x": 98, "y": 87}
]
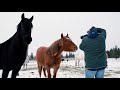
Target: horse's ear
[
  {"x": 67, "y": 35},
  {"x": 22, "y": 17},
  {"x": 62, "y": 35},
  {"x": 31, "y": 18}
]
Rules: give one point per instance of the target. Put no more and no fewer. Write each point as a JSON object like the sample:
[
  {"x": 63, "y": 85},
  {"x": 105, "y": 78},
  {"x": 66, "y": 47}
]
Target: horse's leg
[
  {"x": 15, "y": 72},
  {"x": 48, "y": 71},
  {"x": 78, "y": 62},
  {"x": 75, "y": 62},
  {"x": 40, "y": 70},
  {"x": 23, "y": 66},
  {"x": 44, "y": 72},
  {"x": 55, "y": 71},
  {"x": 5, "y": 73},
  {"x": 18, "y": 74},
  {"x": 26, "y": 66}
]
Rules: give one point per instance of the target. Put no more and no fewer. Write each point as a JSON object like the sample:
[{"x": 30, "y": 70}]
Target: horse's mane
[
  {"x": 18, "y": 26},
  {"x": 54, "y": 48}
]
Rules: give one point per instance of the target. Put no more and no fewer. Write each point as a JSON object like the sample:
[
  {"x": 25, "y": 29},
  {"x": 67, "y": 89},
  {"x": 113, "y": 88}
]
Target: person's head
[{"x": 92, "y": 33}]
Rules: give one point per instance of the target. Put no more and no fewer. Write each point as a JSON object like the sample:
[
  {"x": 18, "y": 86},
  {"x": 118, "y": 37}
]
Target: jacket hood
[{"x": 92, "y": 33}]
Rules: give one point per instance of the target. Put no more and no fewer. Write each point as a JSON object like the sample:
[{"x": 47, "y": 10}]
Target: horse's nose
[
  {"x": 75, "y": 48},
  {"x": 29, "y": 40}
]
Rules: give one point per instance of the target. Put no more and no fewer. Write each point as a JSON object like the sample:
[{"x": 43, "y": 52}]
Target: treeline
[
  {"x": 32, "y": 57},
  {"x": 114, "y": 52},
  {"x": 70, "y": 55}
]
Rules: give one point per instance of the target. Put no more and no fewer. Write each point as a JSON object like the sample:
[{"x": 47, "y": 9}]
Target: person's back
[{"x": 94, "y": 47}]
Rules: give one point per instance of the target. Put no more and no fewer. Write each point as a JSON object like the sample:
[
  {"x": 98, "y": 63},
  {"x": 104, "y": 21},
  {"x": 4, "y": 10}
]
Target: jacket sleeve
[
  {"x": 81, "y": 46},
  {"x": 102, "y": 32}
]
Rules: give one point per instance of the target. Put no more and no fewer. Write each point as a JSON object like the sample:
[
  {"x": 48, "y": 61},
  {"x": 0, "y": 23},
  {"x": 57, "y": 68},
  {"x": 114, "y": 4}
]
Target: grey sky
[{"x": 48, "y": 26}]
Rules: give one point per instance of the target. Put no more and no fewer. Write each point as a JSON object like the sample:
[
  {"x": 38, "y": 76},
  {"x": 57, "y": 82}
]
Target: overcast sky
[{"x": 48, "y": 26}]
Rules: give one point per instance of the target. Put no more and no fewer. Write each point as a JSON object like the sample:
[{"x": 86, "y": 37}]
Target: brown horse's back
[{"x": 40, "y": 55}]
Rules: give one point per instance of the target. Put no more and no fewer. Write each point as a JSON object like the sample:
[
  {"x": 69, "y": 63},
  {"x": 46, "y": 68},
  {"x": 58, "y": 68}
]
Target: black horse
[{"x": 13, "y": 51}]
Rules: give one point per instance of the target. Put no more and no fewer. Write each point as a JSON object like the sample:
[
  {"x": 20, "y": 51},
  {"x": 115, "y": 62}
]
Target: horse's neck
[
  {"x": 55, "y": 49},
  {"x": 17, "y": 41},
  {"x": 10, "y": 39},
  {"x": 59, "y": 53}
]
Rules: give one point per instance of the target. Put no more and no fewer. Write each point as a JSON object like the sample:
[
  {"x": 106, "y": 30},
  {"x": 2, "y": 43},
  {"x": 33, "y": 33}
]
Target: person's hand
[{"x": 99, "y": 30}]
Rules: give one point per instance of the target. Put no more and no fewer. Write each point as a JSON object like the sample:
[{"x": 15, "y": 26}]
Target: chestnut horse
[{"x": 50, "y": 57}]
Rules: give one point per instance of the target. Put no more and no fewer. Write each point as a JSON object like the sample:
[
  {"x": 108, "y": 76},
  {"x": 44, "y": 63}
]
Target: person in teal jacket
[{"x": 94, "y": 47}]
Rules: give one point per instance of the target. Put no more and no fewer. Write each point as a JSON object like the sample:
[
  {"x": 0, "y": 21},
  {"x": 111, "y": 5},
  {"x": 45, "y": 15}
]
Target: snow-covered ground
[{"x": 69, "y": 70}]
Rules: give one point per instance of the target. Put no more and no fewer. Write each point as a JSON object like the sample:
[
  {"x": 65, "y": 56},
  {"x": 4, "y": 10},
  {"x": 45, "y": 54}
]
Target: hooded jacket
[{"x": 94, "y": 47}]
